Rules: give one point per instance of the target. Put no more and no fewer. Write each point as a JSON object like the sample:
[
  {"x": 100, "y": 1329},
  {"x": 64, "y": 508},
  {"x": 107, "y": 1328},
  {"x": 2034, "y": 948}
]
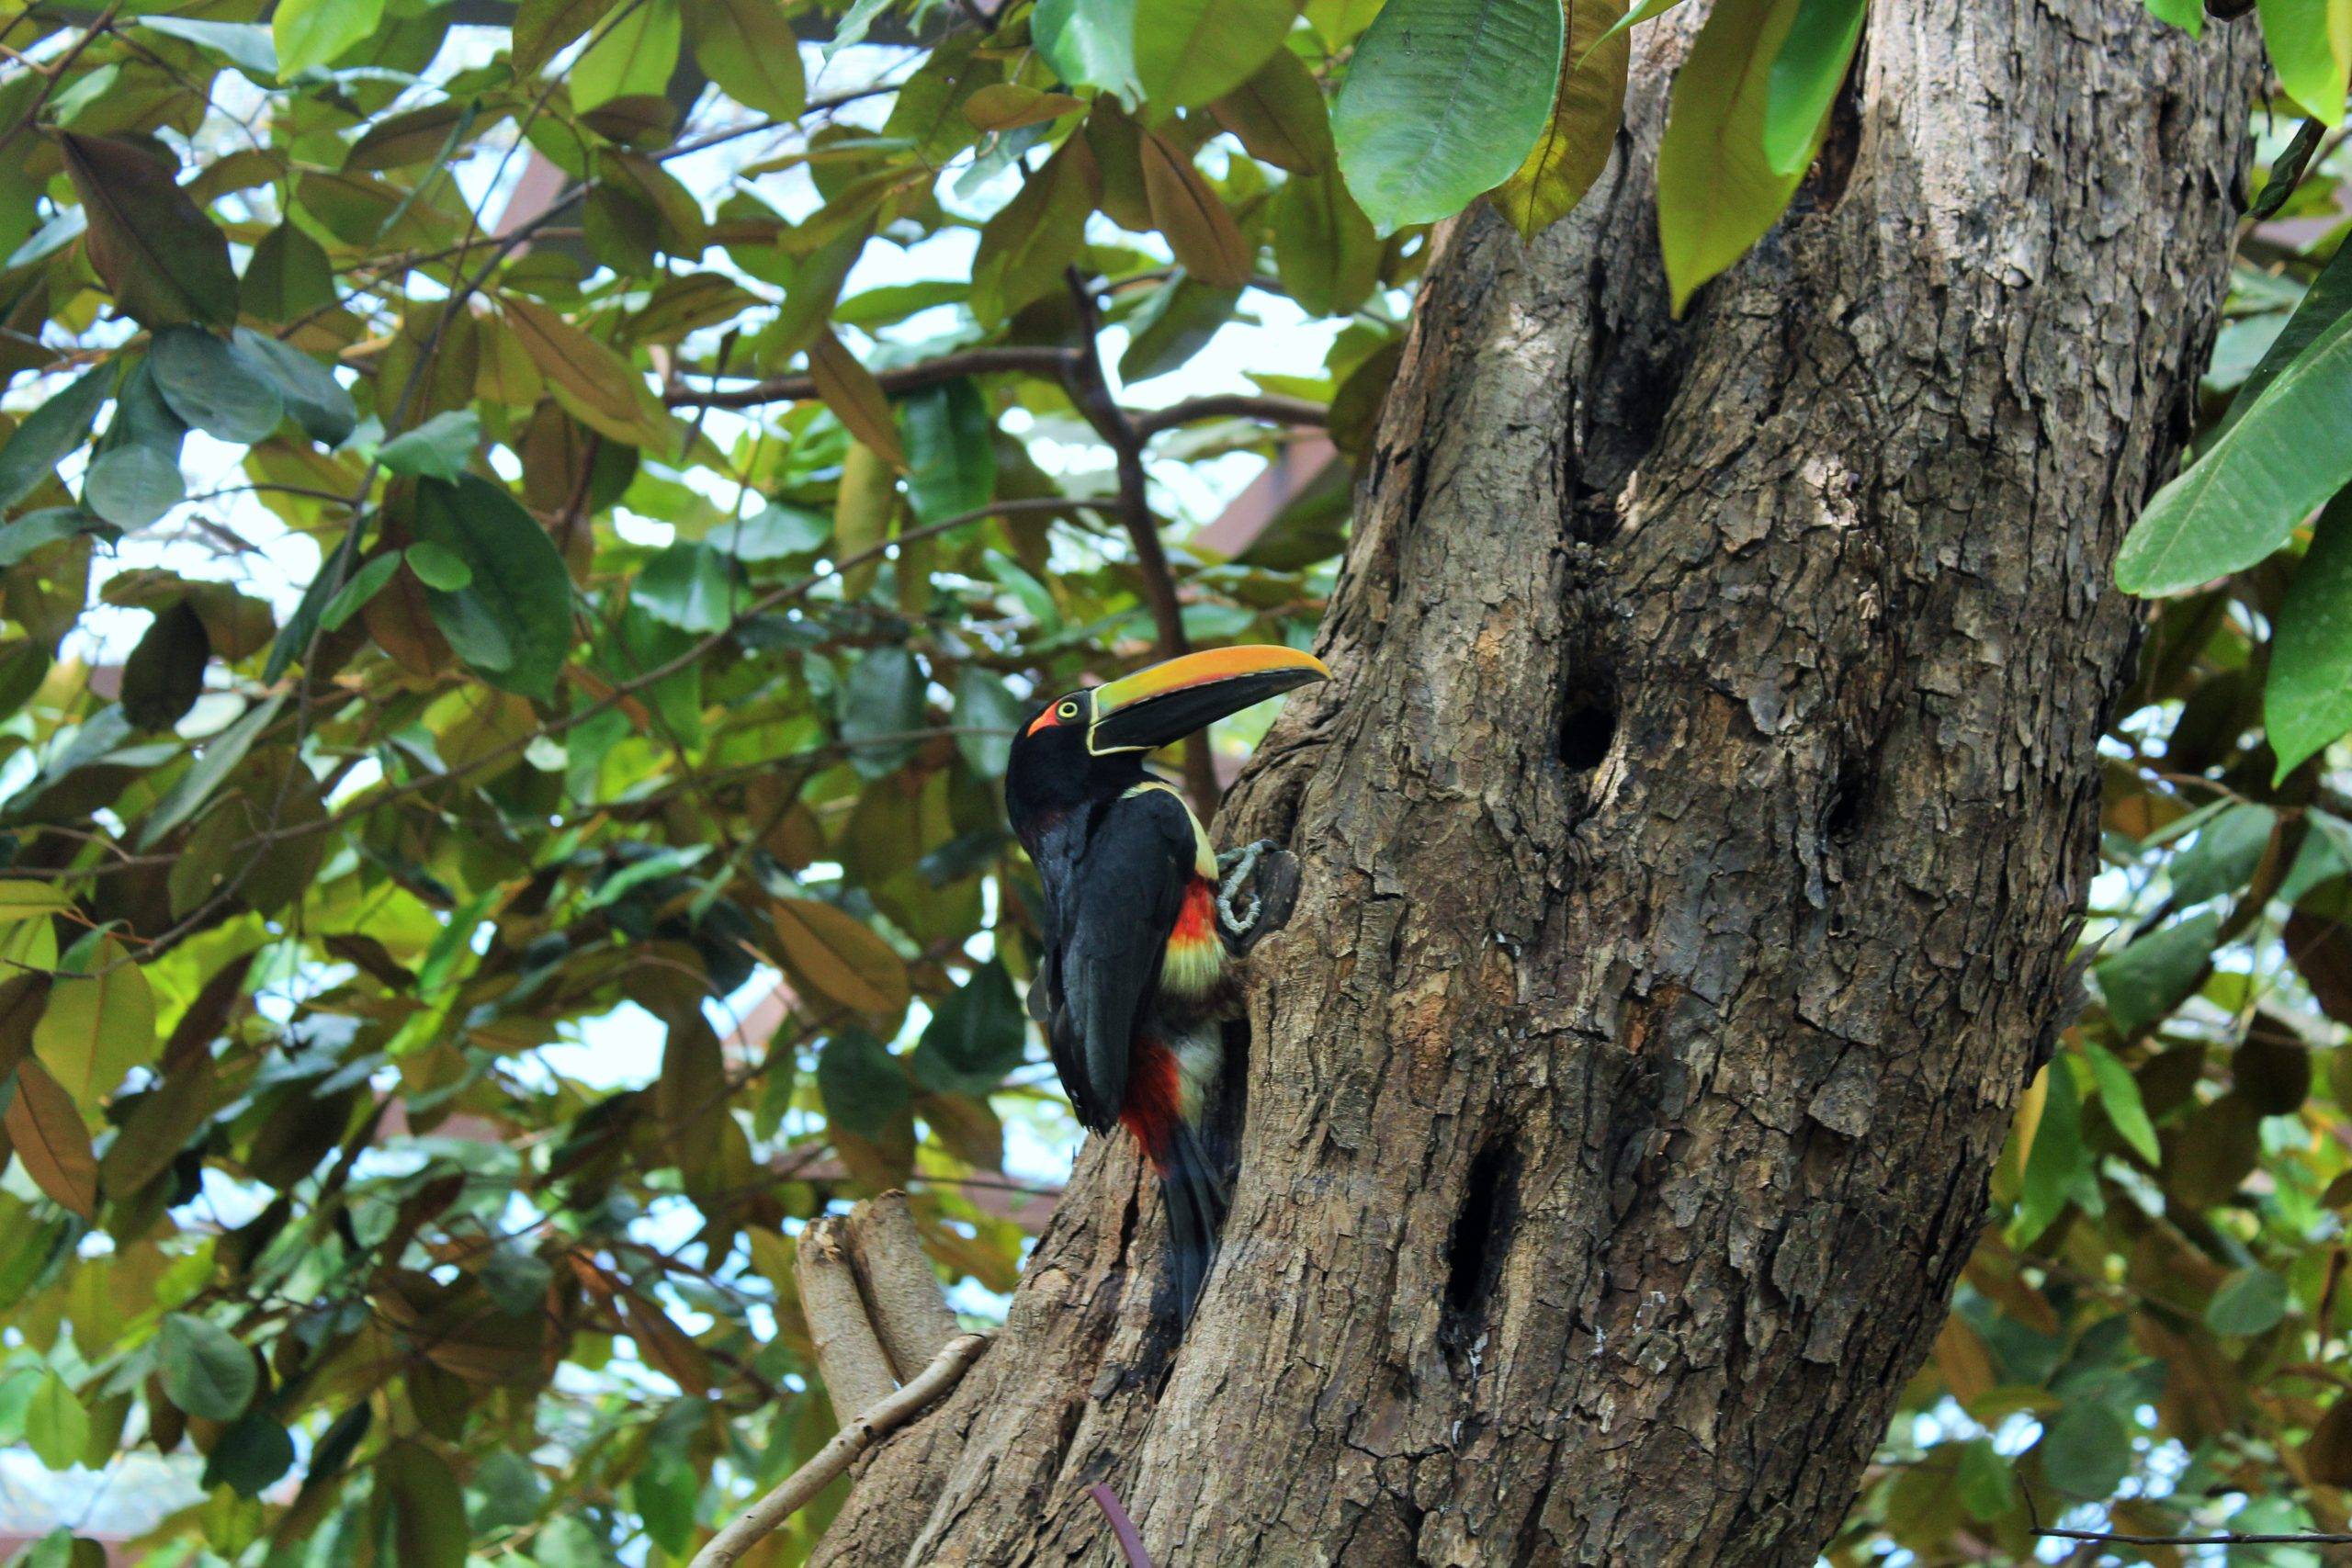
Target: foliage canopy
[{"x": 520, "y": 835}]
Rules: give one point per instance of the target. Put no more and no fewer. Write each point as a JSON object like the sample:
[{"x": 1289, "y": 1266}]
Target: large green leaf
[
  {"x": 1717, "y": 194},
  {"x": 52, "y": 431},
  {"x": 99, "y": 1025},
  {"x": 1188, "y": 51},
  {"x": 205, "y": 1369},
  {"x": 880, "y": 702},
  {"x": 1090, "y": 43},
  {"x": 2283, "y": 456},
  {"x": 2307, "y": 698},
  {"x": 1442, "y": 100},
  {"x": 632, "y": 56},
  {"x": 513, "y": 621},
  {"x": 2152, "y": 976},
  {"x": 212, "y": 387},
  {"x": 2324, "y": 303},
  {"x": 951, "y": 457},
  {"x": 975, "y": 1037},
  {"x": 320, "y": 404},
  {"x": 312, "y": 32},
  {"x": 1807, "y": 74},
  {"x": 747, "y": 47},
  {"x": 863, "y": 1087},
  {"x": 987, "y": 715},
  {"x": 2086, "y": 1450},
  {"x": 2311, "y": 48}
]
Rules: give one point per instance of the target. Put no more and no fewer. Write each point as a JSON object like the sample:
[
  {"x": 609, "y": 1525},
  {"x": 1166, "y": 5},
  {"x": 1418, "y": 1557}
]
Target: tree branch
[
  {"x": 1090, "y": 389},
  {"x": 904, "y": 379},
  {"x": 1232, "y": 405},
  {"x": 762, "y": 1517}
]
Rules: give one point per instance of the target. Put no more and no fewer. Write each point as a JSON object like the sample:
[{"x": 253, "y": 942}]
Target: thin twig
[
  {"x": 763, "y": 1517},
  {"x": 2227, "y": 1539},
  {"x": 905, "y": 378}
]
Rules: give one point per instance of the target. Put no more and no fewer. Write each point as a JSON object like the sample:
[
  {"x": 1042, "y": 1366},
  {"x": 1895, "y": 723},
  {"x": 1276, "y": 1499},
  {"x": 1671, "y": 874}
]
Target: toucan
[{"x": 1134, "y": 977}]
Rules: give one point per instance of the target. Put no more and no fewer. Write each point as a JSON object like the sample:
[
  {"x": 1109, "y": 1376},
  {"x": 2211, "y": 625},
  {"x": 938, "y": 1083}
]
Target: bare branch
[
  {"x": 764, "y": 1516},
  {"x": 1232, "y": 405}
]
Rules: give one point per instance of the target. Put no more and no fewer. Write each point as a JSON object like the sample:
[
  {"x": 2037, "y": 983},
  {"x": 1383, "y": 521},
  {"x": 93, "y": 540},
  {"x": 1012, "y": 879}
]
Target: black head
[{"x": 1088, "y": 744}]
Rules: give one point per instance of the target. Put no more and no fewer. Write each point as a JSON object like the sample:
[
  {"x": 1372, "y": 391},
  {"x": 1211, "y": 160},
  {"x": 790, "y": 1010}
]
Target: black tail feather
[{"x": 1195, "y": 1200}]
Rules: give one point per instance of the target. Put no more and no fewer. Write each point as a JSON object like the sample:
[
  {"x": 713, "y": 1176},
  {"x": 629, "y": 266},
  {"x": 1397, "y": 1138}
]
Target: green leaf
[
  {"x": 2283, "y": 456},
  {"x": 987, "y": 716},
  {"x": 160, "y": 256},
  {"x": 1442, "y": 102},
  {"x": 212, "y": 387},
  {"x": 427, "y": 1505},
  {"x": 2186, "y": 15},
  {"x": 2311, "y": 49},
  {"x": 320, "y": 403},
  {"x": 1326, "y": 254},
  {"x": 439, "y": 448},
  {"x": 438, "y": 567},
  {"x": 633, "y": 57},
  {"x": 950, "y": 449},
  {"x": 2324, "y": 303},
  {"x": 310, "y": 33},
  {"x": 2306, "y": 700},
  {"x": 1807, "y": 73},
  {"x": 250, "y": 1456},
  {"x": 2085, "y": 1451},
  {"x": 245, "y": 45},
  {"x": 863, "y": 1085},
  {"x": 1042, "y": 229},
  {"x": 2058, "y": 1168},
  {"x": 2250, "y": 1301},
  {"x": 1090, "y": 43},
  {"x": 1279, "y": 116},
  {"x": 1983, "y": 1482},
  {"x": 286, "y": 276},
  {"x": 53, "y": 432},
  {"x": 97, "y": 1026},
  {"x": 690, "y": 586},
  {"x": 35, "y": 529},
  {"x": 1716, "y": 194},
  {"x": 543, "y": 26},
  {"x": 1175, "y": 324},
  {"x": 513, "y": 621},
  {"x": 222, "y": 754},
  {"x": 130, "y": 487},
  {"x": 975, "y": 1037},
  {"x": 2119, "y": 1092},
  {"x": 57, "y": 1429},
  {"x": 777, "y": 531},
  {"x": 205, "y": 1370},
  {"x": 1188, "y": 51},
  {"x": 882, "y": 697},
  {"x": 747, "y": 47},
  {"x": 1586, "y": 113},
  {"x": 2155, "y": 973},
  {"x": 2226, "y": 851}
]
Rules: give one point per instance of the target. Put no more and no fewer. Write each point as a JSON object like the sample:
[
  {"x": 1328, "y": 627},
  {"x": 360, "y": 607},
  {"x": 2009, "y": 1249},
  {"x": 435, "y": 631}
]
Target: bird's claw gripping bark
[{"x": 1257, "y": 885}]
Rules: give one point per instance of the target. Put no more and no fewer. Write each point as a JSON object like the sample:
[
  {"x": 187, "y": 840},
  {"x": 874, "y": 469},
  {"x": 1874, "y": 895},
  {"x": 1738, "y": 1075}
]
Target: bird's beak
[{"x": 1160, "y": 706}]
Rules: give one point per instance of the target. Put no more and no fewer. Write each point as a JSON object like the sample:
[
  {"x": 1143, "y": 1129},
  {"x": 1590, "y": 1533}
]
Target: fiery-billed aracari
[{"x": 1134, "y": 977}]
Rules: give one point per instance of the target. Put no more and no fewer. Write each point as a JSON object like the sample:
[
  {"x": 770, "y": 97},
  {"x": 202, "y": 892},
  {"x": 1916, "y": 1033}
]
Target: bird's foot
[{"x": 1257, "y": 885}]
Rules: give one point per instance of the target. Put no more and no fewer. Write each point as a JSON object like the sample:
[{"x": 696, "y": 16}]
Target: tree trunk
[{"x": 1693, "y": 835}]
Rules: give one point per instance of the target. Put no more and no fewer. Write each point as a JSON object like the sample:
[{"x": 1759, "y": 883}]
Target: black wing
[{"x": 1118, "y": 902}]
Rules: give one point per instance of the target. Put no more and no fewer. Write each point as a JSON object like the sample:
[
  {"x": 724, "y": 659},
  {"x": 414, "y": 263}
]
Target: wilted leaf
[
  {"x": 51, "y": 1144},
  {"x": 1586, "y": 113}
]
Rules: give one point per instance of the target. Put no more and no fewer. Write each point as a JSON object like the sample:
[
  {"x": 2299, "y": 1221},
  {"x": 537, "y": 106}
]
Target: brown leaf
[
  {"x": 596, "y": 386},
  {"x": 157, "y": 1129},
  {"x": 833, "y": 953},
  {"x": 666, "y": 1346},
  {"x": 161, "y": 257},
  {"x": 1199, "y": 228},
  {"x": 2322, "y": 950},
  {"x": 2327, "y": 1452},
  {"x": 51, "y": 1141},
  {"x": 856, "y": 399}
]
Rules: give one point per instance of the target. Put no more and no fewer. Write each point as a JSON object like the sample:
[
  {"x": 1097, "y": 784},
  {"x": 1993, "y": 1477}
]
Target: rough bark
[{"x": 1692, "y": 837}]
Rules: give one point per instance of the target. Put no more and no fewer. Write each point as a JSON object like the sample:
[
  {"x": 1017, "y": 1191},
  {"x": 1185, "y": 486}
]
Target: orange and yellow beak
[{"x": 1160, "y": 706}]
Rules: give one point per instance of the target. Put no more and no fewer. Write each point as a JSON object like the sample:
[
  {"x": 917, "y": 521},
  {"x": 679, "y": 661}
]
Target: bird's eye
[{"x": 1069, "y": 710}]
